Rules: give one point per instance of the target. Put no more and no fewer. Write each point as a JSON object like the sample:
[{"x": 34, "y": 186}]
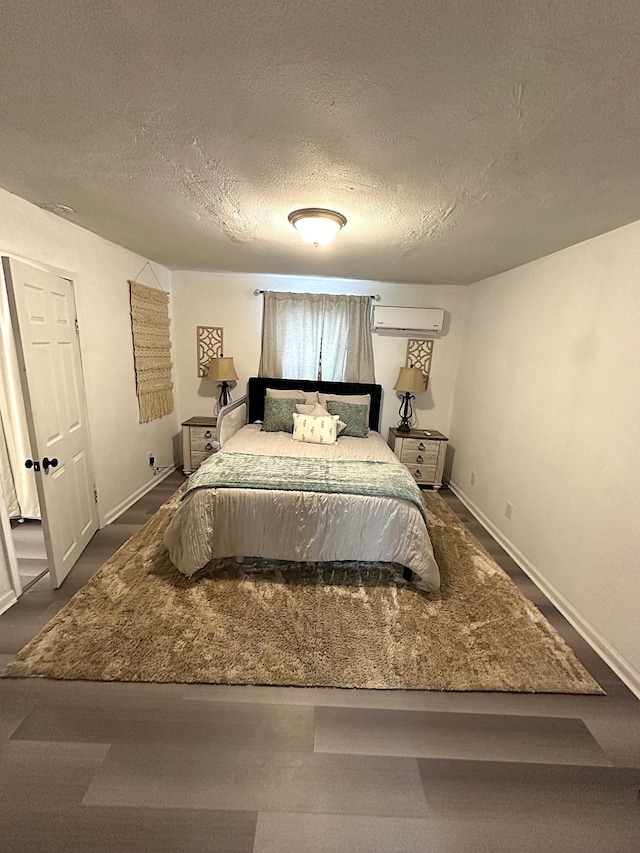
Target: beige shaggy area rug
[{"x": 330, "y": 624}]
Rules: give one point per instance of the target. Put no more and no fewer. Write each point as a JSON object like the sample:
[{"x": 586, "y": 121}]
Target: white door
[{"x": 44, "y": 322}]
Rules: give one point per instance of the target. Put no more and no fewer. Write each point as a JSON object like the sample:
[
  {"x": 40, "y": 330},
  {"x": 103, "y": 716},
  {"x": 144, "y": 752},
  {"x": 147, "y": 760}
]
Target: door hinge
[
  {"x": 95, "y": 495},
  {"x": 77, "y": 326}
]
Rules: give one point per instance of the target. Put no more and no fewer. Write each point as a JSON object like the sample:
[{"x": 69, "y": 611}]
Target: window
[{"x": 317, "y": 336}]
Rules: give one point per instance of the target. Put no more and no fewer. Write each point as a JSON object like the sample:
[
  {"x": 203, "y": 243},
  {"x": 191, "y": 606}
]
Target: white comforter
[{"x": 301, "y": 526}]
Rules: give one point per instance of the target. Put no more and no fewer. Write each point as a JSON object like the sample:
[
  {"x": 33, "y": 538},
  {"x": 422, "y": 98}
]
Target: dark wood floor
[{"x": 130, "y": 768}]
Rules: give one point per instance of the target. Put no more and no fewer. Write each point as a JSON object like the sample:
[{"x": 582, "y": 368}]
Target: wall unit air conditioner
[{"x": 420, "y": 323}]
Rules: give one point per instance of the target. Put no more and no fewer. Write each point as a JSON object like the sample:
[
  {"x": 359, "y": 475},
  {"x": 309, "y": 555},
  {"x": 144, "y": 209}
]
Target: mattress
[{"x": 301, "y": 525}]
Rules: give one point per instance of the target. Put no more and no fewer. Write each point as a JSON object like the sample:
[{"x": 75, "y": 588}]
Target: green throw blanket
[{"x": 300, "y": 474}]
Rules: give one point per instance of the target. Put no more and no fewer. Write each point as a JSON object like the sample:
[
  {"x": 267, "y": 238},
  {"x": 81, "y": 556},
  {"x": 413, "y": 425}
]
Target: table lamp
[
  {"x": 222, "y": 371},
  {"x": 410, "y": 382}
]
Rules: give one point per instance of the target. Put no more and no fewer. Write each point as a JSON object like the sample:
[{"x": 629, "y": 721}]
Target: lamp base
[
  {"x": 225, "y": 396},
  {"x": 406, "y": 413}
]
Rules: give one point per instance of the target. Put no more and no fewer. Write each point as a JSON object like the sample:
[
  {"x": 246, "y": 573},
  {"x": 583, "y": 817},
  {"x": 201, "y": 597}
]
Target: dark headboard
[{"x": 257, "y": 389}]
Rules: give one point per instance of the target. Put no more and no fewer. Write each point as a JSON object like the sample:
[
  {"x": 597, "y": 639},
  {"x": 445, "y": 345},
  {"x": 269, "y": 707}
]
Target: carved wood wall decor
[
  {"x": 209, "y": 346},
  {"x": 419, "y": 354}
]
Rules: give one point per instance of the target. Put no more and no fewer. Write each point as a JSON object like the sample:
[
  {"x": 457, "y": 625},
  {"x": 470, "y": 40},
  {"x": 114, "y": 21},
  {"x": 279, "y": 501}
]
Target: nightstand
[
  {"x": 422, "y": 451},
  {"x": 199, "y": 440}
]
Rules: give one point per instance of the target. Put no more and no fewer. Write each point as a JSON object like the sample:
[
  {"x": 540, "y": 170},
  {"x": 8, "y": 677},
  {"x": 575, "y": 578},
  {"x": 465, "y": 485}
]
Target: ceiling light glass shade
[
  {"x": 54, "y": 207},
  {"x": 316, "y": 225},
  {"x": 410, "y": 379}
]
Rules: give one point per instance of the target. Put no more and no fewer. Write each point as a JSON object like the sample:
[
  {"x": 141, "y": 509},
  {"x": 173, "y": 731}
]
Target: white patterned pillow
[{"x": 315, "y": 430}]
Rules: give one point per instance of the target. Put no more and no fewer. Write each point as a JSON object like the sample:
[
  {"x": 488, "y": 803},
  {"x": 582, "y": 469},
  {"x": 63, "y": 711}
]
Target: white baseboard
[
  {"x": 117, "y": 511},
  {"x": 611, "y": 657},
  {"x": 7, "y": 600}
]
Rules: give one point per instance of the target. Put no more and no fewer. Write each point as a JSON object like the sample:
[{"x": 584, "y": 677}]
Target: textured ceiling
[{"x": 459, "y": 138}]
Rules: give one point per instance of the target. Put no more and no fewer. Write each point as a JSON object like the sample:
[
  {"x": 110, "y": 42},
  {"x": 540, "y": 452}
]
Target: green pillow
[
  {"x": 353, "y": 415},
  {"x": 278, "y": 414}
]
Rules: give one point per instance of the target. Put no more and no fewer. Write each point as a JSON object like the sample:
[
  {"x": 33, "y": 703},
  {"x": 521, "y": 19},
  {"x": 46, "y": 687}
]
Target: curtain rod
[{"x": 375, "y": 296}]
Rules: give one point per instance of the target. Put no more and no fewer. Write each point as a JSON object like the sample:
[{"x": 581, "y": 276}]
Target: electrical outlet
[
  {"x": 508, "y": 510},
  {"x": 473, "y": 478},
  {"x": 152, "y": 459}
]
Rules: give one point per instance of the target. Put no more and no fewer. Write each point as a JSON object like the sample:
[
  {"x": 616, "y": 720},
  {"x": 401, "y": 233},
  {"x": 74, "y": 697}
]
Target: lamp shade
[
  {"x": 317, "y": 225},
  {"x": 410, "y": 379},
  {"x": 221, "y": 370}
]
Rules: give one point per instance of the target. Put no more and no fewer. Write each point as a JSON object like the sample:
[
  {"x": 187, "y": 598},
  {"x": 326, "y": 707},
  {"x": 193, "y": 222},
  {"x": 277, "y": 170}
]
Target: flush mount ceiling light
[
  {"x": 53, "y": 207},
  {"x": 317, "y": 225}
]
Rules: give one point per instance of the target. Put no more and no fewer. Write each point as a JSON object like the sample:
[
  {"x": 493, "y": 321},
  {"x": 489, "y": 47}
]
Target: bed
[{"x": 281, "y": 499}]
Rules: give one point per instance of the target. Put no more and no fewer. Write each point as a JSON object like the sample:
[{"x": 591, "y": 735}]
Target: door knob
[{"x": 49, "y": 462}]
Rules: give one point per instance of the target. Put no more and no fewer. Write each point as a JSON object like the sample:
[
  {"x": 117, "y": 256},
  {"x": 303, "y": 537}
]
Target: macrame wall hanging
[{"x": 151, "y": 351}]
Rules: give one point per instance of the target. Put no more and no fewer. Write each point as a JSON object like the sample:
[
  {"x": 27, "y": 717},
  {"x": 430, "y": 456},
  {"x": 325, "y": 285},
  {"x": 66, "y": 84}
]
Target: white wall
[
  {"x": 120, "y": 444},
  {"x": 547, "y": 415},
  {"x": 227, "y": 300}
]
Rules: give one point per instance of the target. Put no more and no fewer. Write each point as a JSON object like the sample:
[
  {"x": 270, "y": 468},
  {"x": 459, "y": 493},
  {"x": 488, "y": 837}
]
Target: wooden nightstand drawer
[
  {"x": 202, "y": 435},
  {"x": 204, "y": 446},
  {"x": 425, "y": 474},
  {"x": 426, "y": 456},
  {"x": 419, "y": 445}
]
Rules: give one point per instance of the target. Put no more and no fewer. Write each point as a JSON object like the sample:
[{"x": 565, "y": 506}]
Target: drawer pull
[
  {"x": 208, "y": 446},
  {"x": 421, "y": 446},
  {"x": 418, "y": 474},
  {"x": 208, "y": 434},
  {"x": 419, "y": 460}
]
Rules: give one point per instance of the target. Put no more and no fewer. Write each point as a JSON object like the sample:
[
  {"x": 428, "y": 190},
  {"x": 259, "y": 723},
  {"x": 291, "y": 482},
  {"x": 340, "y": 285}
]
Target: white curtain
[
  {"x": 291, "y": 335},
  {"x": 18, "y": 483},
  {"x": 317, "y": 336}
]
